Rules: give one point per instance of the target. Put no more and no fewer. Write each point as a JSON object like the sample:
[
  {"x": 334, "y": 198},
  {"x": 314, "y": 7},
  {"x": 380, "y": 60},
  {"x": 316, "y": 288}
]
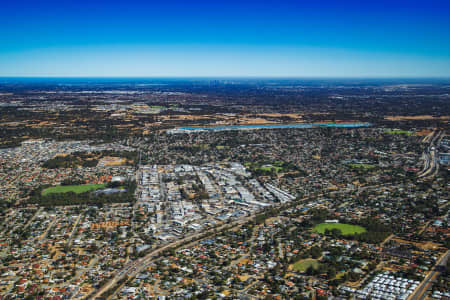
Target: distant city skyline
[{"x": 228, "y": 39}]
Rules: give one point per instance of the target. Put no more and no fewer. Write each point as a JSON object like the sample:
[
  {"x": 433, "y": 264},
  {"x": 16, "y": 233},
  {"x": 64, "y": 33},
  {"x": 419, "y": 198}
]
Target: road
[
  {"x": 424, "y": 227},
  {"x": 43, "y": 236},
  {"x": 32, "y": 218},
  {"x": 420, "y": 292},
  {"x": 431, "y": 165},
  {"x": 387, "y": 240},
  {"x": 10, "y": 215},
  {"x": 70, "y": 240},
  {"x": 428, "y": 137},
  {"x": 137, "y": 266}
]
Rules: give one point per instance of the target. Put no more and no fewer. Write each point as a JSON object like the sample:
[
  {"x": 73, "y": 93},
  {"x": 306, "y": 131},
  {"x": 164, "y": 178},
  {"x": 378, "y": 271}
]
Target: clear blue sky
[{"x": 373, "y": 38}]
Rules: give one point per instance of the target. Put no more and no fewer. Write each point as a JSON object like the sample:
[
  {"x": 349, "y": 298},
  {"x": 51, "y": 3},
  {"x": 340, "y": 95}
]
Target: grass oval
[
  {"x": 72, "y": 188},
  {"x": 346, "y": 229}
]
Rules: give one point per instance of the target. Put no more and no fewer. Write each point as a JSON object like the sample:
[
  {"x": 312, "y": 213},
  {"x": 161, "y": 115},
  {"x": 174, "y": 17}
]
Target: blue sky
[{"x": 225, "y": 38}]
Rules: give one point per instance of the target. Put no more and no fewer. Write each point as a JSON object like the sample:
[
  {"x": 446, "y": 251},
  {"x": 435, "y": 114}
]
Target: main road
[
  {"x": 135, "y": 267},
  {"x": 431, "y": 165},
  {"x": 420, "y": 292}
]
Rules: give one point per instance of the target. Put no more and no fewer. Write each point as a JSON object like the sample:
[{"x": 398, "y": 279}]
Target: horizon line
[{"x": 224, "y": 77}]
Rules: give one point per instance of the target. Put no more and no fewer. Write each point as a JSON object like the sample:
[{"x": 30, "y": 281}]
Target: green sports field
[
  {"x": 304, "y": 264},
  {"x": 270, "y": 168},
  {"x": 362, "y": 166},
  {"x": 72, "y": 188},
  {"x": 346, "y": 229},
  {"x": 408, "y": 133}
]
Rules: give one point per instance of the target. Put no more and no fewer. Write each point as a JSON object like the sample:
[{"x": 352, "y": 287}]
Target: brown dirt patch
[{"x": 424, "y": 117}]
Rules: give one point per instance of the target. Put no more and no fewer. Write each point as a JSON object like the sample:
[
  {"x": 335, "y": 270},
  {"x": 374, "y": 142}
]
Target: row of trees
[{"x": 88, "y": 159}]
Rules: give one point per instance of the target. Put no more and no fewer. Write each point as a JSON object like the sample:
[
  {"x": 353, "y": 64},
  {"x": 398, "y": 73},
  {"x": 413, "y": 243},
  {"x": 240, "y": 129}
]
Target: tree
[
  {"x": 331, "y": 273},
  {"x": 315, "y": 252},
  {"x": 310, "y": 270}
]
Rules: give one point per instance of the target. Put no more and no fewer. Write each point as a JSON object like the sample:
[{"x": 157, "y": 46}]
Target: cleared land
[
  {"x": 424, "y": 117},
  {"x": 72, "y": 188},
  {"x": 304, "y": 264},
  {"x": 346, "y": 229}
]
